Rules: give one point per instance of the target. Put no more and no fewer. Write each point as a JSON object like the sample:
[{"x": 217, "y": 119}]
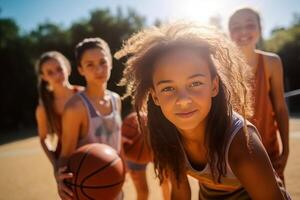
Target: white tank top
[{"x": 102, "y": 128}]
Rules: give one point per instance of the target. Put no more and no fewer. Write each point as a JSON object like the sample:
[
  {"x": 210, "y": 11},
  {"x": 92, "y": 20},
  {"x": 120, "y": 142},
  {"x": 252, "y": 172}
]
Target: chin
[{"x": 185, "y": 126}]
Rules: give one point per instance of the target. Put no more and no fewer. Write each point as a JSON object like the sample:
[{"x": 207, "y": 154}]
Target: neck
[
  {"x": 96, "y": 92},
  {"x": 194, "y": 136}
]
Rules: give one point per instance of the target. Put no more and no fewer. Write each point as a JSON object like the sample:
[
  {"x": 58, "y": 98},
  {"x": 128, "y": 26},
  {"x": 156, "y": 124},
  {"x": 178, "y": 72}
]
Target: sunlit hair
[
  {"x": 91, "y": 43},
  {"x": 45, "y": 93},
  {"x": 225, "y": 61},
  {"x": 245, "y": 9}
]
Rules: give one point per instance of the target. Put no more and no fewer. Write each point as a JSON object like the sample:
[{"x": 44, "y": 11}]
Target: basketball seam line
[
  {"x": 111, "y": 163},
  {"x": 78, "y": 170},
  {"x": 105, "y": 186}
]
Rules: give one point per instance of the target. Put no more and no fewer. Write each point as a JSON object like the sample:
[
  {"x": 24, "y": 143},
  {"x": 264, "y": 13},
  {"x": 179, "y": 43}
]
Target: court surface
[{"x": 25, "y": 172}]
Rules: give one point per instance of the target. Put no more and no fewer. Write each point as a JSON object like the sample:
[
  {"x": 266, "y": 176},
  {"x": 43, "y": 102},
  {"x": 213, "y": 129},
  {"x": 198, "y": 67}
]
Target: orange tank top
[{"x": 264, "y": 116}]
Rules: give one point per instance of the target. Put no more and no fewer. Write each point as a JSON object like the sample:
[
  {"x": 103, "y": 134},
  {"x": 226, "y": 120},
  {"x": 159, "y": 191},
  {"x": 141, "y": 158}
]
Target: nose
[
  {"x": 101, "y": 68},
  {"x": 244, "y": 30},
  {"x": 183, "y": 99},
  {"x": 58, "y": 74}
]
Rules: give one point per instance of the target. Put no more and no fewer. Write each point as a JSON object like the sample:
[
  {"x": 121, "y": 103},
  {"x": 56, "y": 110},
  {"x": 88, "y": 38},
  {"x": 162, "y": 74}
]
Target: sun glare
[{"x": 197, "y": 10}]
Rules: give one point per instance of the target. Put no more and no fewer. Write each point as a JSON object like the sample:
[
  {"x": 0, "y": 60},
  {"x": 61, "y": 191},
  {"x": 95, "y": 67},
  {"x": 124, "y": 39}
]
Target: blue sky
[{"x": 29, "y": 13}]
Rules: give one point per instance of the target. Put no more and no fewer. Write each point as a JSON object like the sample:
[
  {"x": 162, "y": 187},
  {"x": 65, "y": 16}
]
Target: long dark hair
[
  {"x": 45, "y": 94},
  {"x": 225, "y": 62}
]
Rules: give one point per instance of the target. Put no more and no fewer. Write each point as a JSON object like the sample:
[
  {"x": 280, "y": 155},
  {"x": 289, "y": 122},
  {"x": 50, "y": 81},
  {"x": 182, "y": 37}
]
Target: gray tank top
[
  {"x": 230, "y": 187},
  {"x": 102, "y": 128}
]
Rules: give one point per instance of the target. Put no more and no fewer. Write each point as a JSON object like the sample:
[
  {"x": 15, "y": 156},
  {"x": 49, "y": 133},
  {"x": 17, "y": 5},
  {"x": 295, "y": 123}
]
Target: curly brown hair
[{"x": 225, "y": 61}]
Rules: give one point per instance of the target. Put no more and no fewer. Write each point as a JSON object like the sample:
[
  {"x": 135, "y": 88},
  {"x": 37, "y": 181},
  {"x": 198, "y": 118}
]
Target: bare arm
[
  {"x": 71, "y": 123},
  {"x": 41, "y": 119},
  {"x": 253, "y": 167},
  {"x": 280, "y": 107},
  {"x": 180, "y": 191}
]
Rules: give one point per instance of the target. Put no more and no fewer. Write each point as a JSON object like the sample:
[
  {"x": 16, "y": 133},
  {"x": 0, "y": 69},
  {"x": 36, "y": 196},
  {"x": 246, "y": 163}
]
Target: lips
[
  {"x": 244, "y": 40},
  {"x": 186, "y": 114}
]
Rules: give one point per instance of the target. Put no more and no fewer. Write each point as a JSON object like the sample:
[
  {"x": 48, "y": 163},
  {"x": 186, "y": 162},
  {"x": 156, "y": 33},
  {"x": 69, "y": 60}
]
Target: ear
[
  {"x": 215, "y": 86},
  {"x": 154, "y": 97}
]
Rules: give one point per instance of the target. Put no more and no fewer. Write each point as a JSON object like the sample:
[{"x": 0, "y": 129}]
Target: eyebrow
[
  {"x": 190, "y": 77},
  {"x": 247, "y": 20}
]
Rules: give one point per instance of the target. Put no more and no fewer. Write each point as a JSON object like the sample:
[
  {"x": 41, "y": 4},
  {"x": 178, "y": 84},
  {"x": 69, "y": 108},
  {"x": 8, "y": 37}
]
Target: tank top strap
[
  {"x": 113, "y": 101},
  {"x": 261, "y": 60},
  {"x": 260, "y": 69},
  {"x": 237, "y": 124},
  {"x": 90, "y": 108}
]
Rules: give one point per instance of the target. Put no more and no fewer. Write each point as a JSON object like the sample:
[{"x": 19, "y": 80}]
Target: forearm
[{"x": 50, "y": 154}]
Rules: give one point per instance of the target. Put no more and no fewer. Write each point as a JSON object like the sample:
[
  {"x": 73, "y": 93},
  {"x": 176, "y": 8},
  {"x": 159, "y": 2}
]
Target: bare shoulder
[
  {"x": 246, "y": 146},
  {"x": 271, "y": 59},
  {"x": 74, "y": 104}
]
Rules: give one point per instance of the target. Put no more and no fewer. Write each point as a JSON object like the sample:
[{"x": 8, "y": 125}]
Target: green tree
[
  {"x": 17, "y": 80},
  {"x": 18, "y": 54},
  {"x": 286, "y": 43}
]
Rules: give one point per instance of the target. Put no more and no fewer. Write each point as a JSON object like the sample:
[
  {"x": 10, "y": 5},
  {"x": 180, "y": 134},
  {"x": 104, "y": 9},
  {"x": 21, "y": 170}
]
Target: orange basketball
[
  {"x": 139, "y": 151},
  {"x": 98, "y": 172}
]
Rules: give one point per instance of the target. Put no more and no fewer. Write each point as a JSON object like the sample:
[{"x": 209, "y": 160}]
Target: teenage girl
[
  {"x": 53, "y": 70},
  {"x": 270, "y": 110},
  {"x": 192, "y": 82},
  {"x": 93, "y": 115}
]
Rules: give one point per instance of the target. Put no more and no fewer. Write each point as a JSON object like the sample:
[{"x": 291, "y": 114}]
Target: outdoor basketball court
[{"x": 25, "y": 172}]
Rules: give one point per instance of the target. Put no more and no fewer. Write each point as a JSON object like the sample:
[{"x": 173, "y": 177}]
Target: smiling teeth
[{"x": 244, "y": 38}]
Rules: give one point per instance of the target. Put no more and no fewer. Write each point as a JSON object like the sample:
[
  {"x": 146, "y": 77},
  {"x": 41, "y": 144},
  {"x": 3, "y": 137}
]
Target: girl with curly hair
[{"x": 193, "y": 84}]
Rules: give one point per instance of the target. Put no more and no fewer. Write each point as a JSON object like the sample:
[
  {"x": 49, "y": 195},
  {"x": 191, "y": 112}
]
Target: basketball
[
  {"x": 139, "y": 151},
  {"x": 98, "y": 172}
]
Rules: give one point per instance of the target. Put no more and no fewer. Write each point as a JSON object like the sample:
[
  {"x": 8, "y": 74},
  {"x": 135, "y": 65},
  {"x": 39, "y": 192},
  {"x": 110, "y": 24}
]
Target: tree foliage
[
  {"x": 286, "y": 43},
  {"x": 18, "y": 54}
]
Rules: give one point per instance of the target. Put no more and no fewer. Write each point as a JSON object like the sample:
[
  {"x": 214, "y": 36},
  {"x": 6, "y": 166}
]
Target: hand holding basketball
[{"x": 64, "y": 192}]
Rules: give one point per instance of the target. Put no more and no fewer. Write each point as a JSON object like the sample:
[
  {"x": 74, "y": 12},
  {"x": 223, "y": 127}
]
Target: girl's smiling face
[
  {"x": 183, "y": 88},
  {"x": 245, "y": 29},
  {"x": 53, "y": 72}
]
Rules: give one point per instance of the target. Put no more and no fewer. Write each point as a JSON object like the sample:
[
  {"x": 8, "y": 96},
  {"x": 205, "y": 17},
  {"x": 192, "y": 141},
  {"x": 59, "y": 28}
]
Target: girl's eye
[
  {"x": 167, "y": 89},
  {"x": 195, "y": 84},
  {"x": 59, "y": 69},
  {"x": 103, "y": 62},
  {"x": 250, "y": 26},
  {"x": 50, "y": 73},
  {"x": 236, "y": 29}
]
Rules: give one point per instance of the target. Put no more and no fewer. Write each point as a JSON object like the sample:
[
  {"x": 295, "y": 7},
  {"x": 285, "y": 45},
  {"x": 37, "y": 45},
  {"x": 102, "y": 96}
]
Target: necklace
[{"x": 104, "y": 101}]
